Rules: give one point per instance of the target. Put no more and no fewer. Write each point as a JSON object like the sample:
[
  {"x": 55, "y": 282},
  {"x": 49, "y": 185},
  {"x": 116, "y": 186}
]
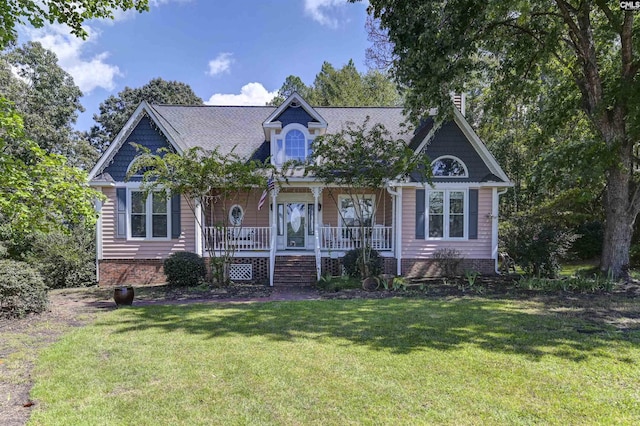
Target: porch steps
[{"x": 295, "y": 271}]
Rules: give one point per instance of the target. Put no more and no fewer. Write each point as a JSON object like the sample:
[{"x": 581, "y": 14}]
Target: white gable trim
[
  {"x": 479, "y": 146},
  {"x": 143, "y": 109},
  {"x": 475, "y": 141},
  {"x": 269, "y": 124}
]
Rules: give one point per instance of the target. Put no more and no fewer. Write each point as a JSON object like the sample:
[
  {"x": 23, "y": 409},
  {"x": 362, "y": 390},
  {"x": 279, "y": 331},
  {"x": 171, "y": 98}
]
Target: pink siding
[
  {"x": 423, "y": 249},
  {"x": 249, "y": 203},
  {"x": 120, "y": 248}
]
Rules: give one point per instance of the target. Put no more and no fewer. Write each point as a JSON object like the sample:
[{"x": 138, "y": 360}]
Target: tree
[
  {"x": 38, "y": 191},
  {"x": 73, "y": 14},
  {"x": 48, "y": 100},
  {"x": 342, "y": 87},
  {"x": 291, "y": 85},
  {"x": 362, "y": 158},
  {"x": 589, "y": 47},
  {"x": 204, "y": 178},
  {"x": 116, "y": 110}
]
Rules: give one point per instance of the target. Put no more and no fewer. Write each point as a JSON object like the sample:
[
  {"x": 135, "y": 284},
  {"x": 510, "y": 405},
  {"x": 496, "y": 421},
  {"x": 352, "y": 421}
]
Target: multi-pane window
[
  {"x": 448, "y": 166},
  {"x": 159, "y": 218},
  {"x": 149, "y": 215},
  {"x": 356, "y": 210},
  {"x": 446, "y": 214},
  {"x": 138, "y": 215},
  {"x": 295, "y": 145}
]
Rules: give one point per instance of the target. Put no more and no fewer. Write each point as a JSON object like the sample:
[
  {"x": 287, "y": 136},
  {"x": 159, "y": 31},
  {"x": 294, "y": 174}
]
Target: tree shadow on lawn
[{"x": 395, "y": 325}]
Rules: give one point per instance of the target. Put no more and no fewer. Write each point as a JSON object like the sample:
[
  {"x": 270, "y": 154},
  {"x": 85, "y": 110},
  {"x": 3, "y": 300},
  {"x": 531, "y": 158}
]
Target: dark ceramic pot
[{"x": 123, "y": 296}]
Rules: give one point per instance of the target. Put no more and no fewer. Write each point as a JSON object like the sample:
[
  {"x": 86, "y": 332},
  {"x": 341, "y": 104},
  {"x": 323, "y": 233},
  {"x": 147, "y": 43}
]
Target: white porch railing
[
  {"x": 254, "y": 238},
  {"x": 342, "y": 238}
]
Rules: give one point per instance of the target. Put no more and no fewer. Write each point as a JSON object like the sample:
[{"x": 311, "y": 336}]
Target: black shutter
[
  {"x": 473, "y": 214},
  {"x": 420, "y": 206},
  {"x": 175, "y": 216},
  {"x": 121, "y": 212}
]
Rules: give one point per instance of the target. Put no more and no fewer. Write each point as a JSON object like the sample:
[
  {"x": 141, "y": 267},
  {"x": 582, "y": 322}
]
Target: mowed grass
[{"x": 340, "y": 362}]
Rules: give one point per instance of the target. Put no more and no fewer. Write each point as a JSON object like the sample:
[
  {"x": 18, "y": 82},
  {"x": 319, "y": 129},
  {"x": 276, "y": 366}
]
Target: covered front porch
[
  {"x": 301, "y": 220},
  {"x": 332, "y": 238}
]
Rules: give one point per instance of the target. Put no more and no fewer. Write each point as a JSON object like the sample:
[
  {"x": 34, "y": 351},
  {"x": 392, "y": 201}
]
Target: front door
[{"x": 296, "y": 226}]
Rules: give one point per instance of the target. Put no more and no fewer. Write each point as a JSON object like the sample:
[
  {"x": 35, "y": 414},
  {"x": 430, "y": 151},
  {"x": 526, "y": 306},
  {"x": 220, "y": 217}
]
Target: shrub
[
  {"x": 184, "y": 269},
  {"x": 537, "y": 246},
  {"x": 589, "y": 242},
  {"x": 65, "y": 260},
  {"x": 351, "y": 263},
  {"x": 448, "y": 259},
  {"x": 22, "y": 289}
]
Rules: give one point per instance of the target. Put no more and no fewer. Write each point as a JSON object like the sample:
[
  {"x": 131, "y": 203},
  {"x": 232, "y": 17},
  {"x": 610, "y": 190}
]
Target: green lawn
[{"x": 389, "y": 361}]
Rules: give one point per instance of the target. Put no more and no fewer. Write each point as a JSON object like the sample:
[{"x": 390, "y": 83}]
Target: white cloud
[
  {"x": 222, "y": 63},
  {"x": 323, "y": 11},
  {"x": 88, "y": 73},
  {"x": 250, "y": 94},
  {"x": 120, "y": 15}
]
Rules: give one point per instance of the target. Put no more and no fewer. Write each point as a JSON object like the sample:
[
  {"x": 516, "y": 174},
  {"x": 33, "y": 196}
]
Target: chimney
[{"x": 460, "y": 101}]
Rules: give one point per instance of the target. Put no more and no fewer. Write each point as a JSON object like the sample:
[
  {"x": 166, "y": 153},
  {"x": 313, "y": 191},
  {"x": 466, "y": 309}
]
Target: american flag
[{"x": 271, "y": 184}]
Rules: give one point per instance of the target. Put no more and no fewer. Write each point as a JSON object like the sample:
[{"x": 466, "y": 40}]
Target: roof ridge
[{"x": 274, "y": 107}]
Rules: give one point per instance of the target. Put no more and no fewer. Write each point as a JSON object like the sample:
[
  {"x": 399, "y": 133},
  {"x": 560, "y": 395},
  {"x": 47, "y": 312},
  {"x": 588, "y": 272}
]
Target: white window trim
[
  {"x": 137, "y": 175},
  {"x": 283, "y": 136},
  {"x": 453, "y": 157},
  {"x": 356, "y": 196},
  {"x": 445, "y": 219},
  {"x": 231, "y": 221},
  {"x": 149, "y": 217}
]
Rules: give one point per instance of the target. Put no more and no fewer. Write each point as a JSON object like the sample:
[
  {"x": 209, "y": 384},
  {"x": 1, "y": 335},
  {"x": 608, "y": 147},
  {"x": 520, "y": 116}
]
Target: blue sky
[{"x": 231, "y": 52}]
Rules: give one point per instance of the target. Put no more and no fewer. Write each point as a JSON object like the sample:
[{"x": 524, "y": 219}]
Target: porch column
[
  {"x": 98, "y": 207},
  {"x": 317, "y": 191},
  {"x": 274, "y": 232},
  {"x": 398, "y": 232},
  {"x": 199, "y": 227}
]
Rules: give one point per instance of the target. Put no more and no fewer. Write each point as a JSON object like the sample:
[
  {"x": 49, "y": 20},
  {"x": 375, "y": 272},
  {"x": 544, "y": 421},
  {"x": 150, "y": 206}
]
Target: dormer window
[
  {"x": 449, "y": 166},
  {"x": 294, "y": 144}
]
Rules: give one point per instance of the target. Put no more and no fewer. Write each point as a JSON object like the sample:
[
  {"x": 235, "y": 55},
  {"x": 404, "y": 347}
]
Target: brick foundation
[
  {"x": 140, "y": 272},
  {"x": 115, "y": 272},
  {"x": 417, "y": 268}
]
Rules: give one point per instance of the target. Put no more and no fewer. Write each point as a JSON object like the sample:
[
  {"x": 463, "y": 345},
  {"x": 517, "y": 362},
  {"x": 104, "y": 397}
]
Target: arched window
[
  {"x": 139, "y": 174},
  {"x": 293, "y": 145},
  {"x": 449, "y": 166}
]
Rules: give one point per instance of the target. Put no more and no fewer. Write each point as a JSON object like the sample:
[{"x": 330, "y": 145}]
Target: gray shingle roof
[{"x": 227, "y": 127}]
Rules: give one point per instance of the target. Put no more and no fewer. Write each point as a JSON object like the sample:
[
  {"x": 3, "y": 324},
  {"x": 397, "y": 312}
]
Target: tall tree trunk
[
  {"x": 621, "y": 206},
  {"x": 620, "y": 218}
]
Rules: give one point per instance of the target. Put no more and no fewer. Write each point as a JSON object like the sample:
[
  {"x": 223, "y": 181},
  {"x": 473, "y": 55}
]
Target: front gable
[
  {"x": 457, "y": 142},
  {"x": 144, "y": 134},
  {"x": 450, "y": 141},
  {"x": 295, "y": 114},
  {"x": 143, "y": 128},
  {"x": 291, "y": 129}
]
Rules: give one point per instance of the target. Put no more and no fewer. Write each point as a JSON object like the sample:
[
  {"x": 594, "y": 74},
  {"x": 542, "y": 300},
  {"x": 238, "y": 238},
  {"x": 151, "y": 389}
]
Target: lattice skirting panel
[
  {"x": 241, "y": 272},
  {"x": 253, "y": 270}
]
